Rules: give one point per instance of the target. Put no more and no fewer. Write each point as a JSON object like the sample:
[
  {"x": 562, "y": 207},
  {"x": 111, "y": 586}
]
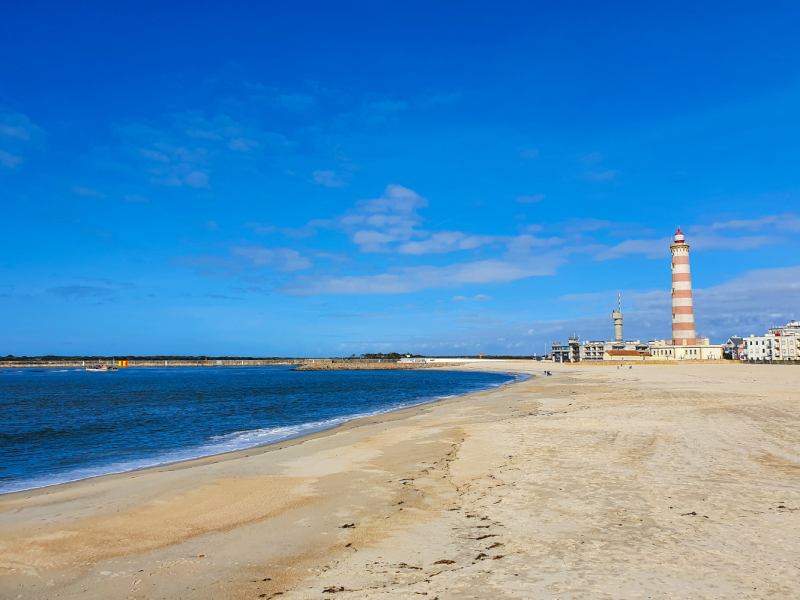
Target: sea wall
[
  {"x": 351, "y": 363},
  {"x": 370, "y": 366},
  {"x": 41, "y": 364}
]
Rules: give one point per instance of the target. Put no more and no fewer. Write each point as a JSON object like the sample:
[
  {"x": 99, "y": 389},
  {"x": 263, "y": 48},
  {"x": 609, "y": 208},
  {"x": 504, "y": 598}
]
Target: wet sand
[{"x": 598, "y": 482}]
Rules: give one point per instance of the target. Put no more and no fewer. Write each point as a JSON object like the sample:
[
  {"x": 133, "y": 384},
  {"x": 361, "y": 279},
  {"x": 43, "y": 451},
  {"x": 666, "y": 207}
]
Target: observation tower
[
  {"x": 682, "y": 306},
  {"x": 617, "y": 316}
]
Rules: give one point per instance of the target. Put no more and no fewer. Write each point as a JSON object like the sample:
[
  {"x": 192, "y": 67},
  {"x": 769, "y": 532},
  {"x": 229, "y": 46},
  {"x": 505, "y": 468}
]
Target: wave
[{"x": 231, "y": 442}]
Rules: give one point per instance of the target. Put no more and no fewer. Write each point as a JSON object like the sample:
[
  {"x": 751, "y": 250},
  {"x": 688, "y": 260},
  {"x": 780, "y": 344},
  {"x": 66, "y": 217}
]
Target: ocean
[{"x": 60, "y": 425}]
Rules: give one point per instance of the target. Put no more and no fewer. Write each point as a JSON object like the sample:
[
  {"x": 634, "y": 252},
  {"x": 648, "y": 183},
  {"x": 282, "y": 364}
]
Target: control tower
[{"x": 617, "y": 316}]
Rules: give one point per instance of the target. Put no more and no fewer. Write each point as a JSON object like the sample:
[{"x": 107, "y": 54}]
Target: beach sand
[{"x": 653, "y": 482}]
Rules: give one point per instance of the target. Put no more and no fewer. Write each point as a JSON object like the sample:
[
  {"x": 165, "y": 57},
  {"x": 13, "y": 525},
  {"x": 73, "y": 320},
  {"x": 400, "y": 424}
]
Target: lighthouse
[{"x": 682, "y": 307}]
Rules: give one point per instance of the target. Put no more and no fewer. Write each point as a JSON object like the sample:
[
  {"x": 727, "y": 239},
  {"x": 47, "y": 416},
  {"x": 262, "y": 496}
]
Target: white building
[
  {"x": 787, "y": 346},
  {"x": 759, "y": 347},
  {"x": 595, "y": 351},
  {"x": 700, "y": 350},
  {"x": 781, "y": 343}
]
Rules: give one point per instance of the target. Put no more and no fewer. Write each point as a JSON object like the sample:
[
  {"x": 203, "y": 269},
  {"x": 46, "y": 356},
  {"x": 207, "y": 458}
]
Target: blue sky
[{"x": 324, "y": 179}]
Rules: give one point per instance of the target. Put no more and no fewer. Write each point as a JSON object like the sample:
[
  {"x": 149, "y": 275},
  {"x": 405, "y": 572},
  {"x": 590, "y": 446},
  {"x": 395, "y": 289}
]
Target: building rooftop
[{"x": 627, "y": 353}]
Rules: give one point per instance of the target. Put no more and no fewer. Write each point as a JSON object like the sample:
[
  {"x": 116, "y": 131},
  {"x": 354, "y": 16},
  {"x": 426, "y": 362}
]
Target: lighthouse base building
[{"x": 700, "y": 350}]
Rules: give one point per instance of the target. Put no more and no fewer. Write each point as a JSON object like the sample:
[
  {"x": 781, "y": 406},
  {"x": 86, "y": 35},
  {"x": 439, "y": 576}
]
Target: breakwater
[
  {"x": 211, "y": 362},
  {"x": 371, "y": 366}
]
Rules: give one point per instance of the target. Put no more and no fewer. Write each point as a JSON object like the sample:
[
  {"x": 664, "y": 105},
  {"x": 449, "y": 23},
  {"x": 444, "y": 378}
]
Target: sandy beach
[{"x": 652, "y": 482}]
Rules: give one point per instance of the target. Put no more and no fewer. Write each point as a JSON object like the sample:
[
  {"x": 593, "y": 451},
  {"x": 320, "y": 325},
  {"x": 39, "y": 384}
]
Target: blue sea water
[{"x": 59, "y": 425}]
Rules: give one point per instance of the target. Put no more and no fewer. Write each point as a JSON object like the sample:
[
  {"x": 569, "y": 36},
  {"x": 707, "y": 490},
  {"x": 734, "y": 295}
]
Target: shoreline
[
  {"x": 592, "y": 483},
  {"x": 291, "y": 440}
]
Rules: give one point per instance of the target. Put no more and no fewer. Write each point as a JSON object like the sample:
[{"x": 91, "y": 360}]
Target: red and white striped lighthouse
[{"x": 682, "y": 307}]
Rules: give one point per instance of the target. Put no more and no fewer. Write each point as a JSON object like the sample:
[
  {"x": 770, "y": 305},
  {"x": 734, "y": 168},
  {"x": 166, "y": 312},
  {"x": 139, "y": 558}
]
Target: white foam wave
[{"x": 231, "y": 442}]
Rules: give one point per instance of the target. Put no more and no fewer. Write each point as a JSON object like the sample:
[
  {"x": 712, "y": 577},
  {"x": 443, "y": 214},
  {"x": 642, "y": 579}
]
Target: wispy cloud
[
  {"x": 600, "y": 175},
  {"x": 79, "y": 291},
  {"x": 357, "y": 315},
  {"x": 281, "y": 259},
  {"x": 261, "y": 228},
  {"x": 18, "y": 135},
  {"x": 646, "y": 248},
  {"x": 377, "y": 222},
  {"x": 411, "y": 279},
  {"x": 591, "y": 158},
  {"x": 297, "y": 102},
  {"x": 88, "y": 192},
  {"x": 328, "y": 179},
  {"x": 536, "y": 198},
  {"x": 698, "y": 237},
  {"x": 445, "y": 241},
  {"x": 785, "y": 222},
  {"x": 18, "y": 126},
  {"x": 182, "y": 151},
  {"x": 8, "y": 160},
  {"x": 472, "y": 299}
]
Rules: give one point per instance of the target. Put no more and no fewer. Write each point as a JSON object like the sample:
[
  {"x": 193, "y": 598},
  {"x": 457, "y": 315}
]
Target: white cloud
[
  {"x": 18, "y": 127},
  {"x": 15, "y": 131},
  {"x": 9, "y": 160},
  {"x": 785, "y": 222},
  {"x": 155, "y": 155},
  {"x": 375, "y": 223},
  {"x": 474, "y": 298},
  {"x": 181, "y": 175},
  {"x": 522, "y": 243},
  {"x": 412, "y": 279},
  {"x": 358, "y": 315},
  {"x": 600, "y": 175},
  {"x": 445, "y": 241},
  {"x": 88, "y": 192},
  {"x": 196, "y": 179},
  {"x": 205, "y": 135},
  {"x": 18, "y": 135},
  {"x": 648, "y": 248},
  {"x": 281, "y": 259},
  {"x": 699, "y": 238},
  {"x": 183, "y": 151},
  {"x": 372, "y": 241},
  {"x": 261, "y": 228},
  {"x": 242, "y": 144},
  {"x": 328, "y": 179},
  {"x": 581, "y": 225}
]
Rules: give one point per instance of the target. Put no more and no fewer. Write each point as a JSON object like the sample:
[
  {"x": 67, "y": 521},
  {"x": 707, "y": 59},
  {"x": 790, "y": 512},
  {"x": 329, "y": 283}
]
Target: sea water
[{"x": 59, "y": 425}]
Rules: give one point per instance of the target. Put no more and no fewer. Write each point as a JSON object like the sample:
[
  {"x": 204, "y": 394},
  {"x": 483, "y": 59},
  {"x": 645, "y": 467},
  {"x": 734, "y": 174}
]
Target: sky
[{"x": 447, "y": 178}]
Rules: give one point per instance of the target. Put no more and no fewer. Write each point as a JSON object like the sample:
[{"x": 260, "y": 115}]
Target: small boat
[{"x": 101, "y": 368}]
